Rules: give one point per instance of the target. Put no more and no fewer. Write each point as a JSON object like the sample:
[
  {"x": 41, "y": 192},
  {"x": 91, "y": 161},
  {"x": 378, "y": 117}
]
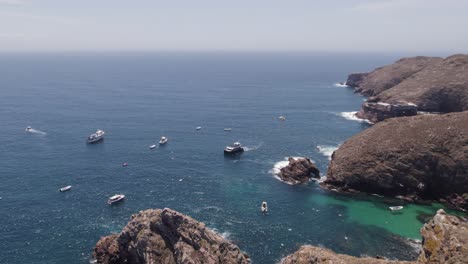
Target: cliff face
[
  {"x": 388, "y": 76},
  {"x": 166, "y": 236},
  {"x": 445, "y": 240},
  {"x": 432, "y": 84},
  {"x": 439, "y": 87},
  {"x": 298, "y": 171},
  {"x": 420, "y": 157}
]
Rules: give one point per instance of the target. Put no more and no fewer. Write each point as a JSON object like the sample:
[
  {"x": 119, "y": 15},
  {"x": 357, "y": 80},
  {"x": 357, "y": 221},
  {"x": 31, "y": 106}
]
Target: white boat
[
  {"x": 236, "y": 147},
  {"x": 163, "y": 140},
  {"x": 152, "y": 146},
  {"x": 282, "y": 118},
  {"x": 198, "y": 128},
  {"x": 395, "y": 208},
  {"x": 115, "y": 198},
  {"x": 28, "y": 129},
  {"x": 228, "y": 129},
  {"x": 97, "y": 136},
  {"x": 264, "y": 207},
  {"x": 66, "y": 188}
]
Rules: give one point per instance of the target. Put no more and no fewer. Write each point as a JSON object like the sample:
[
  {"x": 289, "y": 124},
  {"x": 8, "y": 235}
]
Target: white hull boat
[
  {"x": 116, "y": 198},
  {"x": 66, "y": 188},
  {"x": 395, "y": 208},
  {"x": 163, "y": 140}
]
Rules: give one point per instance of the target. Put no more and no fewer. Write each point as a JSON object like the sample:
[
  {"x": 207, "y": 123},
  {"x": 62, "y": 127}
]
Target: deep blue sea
[{"x": 139, "y": 97}]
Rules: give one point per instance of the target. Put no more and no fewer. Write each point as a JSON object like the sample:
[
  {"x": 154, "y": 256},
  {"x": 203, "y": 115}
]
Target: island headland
[
  {"x": 412, "y": 85},
  {"x": 415, "y": 158}
]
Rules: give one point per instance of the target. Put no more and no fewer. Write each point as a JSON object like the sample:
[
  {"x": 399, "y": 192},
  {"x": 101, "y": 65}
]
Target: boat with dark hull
[
  {"x": 96, "y": 137},
  {"x": 236, "y": 147}
]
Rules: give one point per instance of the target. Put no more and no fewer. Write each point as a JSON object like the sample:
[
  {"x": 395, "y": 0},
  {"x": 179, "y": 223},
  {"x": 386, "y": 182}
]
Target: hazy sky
[{"x": 287, "y": 25}]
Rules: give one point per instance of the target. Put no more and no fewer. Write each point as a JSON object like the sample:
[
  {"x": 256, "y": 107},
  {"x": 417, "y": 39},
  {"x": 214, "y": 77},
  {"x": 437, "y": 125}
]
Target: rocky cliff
[
  {"x": 429, "y": 83},
  {"x": 299, "y": 170},
  {"x": 445, "y": 240},
  {"x": 388, "y": 76},
  {"x": 419, "y": 157},
  {"x": 166, "y": 236}
]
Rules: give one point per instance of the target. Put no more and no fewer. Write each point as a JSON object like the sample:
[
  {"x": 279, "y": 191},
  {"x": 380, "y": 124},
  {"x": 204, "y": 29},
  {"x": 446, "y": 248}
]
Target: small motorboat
[
  {"x": 163, "y": 140},
  {"x": 66, "y": 188},
  {"x": 198, "y": 128},
  {"x": 125, "y": 164},
  {"x": 115, "y": 198},
  {"x": 282, "y": 118},
  {"x": 264, "y": 207},
  {"x": 28, "y": 129},
  {"x": 228, "y": 129},
  {"x": 395, "y": 208},
  {"x": 234, "y": 148},
  {"x": 152, "y": 146}
]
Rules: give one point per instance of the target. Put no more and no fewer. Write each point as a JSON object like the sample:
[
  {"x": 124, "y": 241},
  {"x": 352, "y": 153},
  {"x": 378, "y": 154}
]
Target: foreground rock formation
[
  {"x": 419, "y": 157},
  {"x": 413, "y": 84},
  {"x": 299, "y": 170},
  {"x": 166, "y": 236},
  {"x": 445, "y": 240}
]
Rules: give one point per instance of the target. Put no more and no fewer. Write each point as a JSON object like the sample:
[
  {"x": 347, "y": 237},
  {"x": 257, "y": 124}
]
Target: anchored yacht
[
  {"x": 97, "y": 136},
  {"x": 115, "y": 198}
]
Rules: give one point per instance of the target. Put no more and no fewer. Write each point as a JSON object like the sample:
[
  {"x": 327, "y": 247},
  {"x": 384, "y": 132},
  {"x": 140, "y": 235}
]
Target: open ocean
[{"x": 139, "y": 97}]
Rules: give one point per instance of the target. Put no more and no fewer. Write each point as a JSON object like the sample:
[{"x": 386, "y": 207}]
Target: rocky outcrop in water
[
  {"x": 419, "y": 157},
  {"x": 166, "y": 236},
  {"x": 431, "y": 84},
  {"x": 299, "y": 170},
  {"x": 445, "y": 240}
]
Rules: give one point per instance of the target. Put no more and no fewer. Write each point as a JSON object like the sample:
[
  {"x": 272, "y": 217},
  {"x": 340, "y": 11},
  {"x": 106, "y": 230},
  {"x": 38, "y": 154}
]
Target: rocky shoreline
[
  {"x": 427, "y": 84},
  {"x": 445, "y": 240},
  {"x": 412, "y": 158},
  {"x": 167, "y": 236}
]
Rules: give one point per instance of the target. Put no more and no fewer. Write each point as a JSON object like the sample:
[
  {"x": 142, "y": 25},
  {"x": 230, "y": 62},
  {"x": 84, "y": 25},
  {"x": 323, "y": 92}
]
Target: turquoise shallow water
[{"x": 136, "y": 98}]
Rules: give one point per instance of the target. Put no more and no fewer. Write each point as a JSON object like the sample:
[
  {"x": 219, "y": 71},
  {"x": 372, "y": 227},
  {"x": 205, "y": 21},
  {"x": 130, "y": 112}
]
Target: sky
[{"x": 238, "y": 25}]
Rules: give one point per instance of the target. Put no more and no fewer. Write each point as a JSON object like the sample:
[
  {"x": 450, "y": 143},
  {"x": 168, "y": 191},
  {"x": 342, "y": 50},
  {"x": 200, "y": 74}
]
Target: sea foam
[
  {"x": 35, "y": 131},
  {"x": 352, "y": 116},
  {"x": 327, "y": 151},
  {"x": 341, "y": 85}
]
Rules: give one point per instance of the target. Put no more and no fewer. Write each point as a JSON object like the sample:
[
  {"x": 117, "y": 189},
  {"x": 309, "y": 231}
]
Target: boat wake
[
  {"x": 252, "y": 148},
  {"x": 35, "y": 131},
  {"x": 352, "y": 116},
  {"x": 341, "y": 85},
  {"x": 327, "y": 151}
]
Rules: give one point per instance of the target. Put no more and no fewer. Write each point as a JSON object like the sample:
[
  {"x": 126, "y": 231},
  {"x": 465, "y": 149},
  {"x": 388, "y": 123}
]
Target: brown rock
[
  {"x": 445, "y": 239},
  {"x": 388, "y": 76},
  {"x": 317, "y": 255},
  {"x": 166, "y": 236},
  {"x": 430, "y": 84},
  {"x": 299, "y": 170},
  {"x": 439, "y": 87},
  {"x": 421, "y": 157}
]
